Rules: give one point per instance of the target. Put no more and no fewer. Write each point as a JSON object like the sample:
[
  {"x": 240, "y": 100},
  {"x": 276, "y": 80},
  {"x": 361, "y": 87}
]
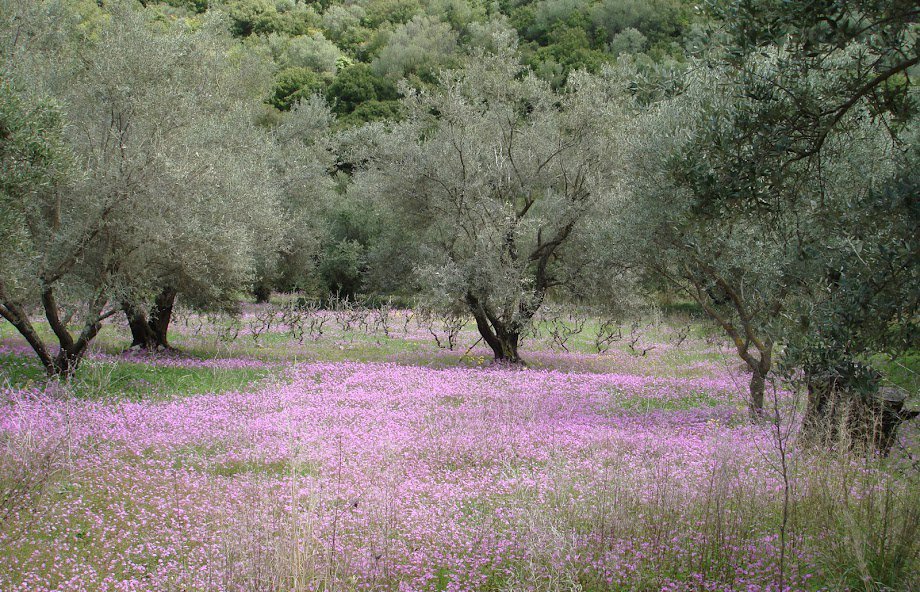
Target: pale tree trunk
[{"x": 760, "y": 370}]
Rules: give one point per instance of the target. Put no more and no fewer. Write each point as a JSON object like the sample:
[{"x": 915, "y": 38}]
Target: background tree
[
  {"x": 358, "y": 84},
  {"x": 216, "y": 207},
  {"x": 419, "y": 48},
  {"x": 302, "y": 163},
  {"x": 495, "y": 177},
  {"x": 295, "y": 84}
]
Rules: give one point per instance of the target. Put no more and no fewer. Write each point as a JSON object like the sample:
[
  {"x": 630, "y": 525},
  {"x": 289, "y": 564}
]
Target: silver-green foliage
[
  {"x": 170, "y": 179},
  {"x": 499, "y": 180},
  {"x": 419, "y": 47},
  {"x": 756, "y": 238}
]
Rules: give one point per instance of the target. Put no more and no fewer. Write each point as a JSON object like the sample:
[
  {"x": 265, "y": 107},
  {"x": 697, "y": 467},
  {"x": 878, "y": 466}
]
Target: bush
[
  {"x": 355, "y": 85},
  {"x": 295, "y": 84}
]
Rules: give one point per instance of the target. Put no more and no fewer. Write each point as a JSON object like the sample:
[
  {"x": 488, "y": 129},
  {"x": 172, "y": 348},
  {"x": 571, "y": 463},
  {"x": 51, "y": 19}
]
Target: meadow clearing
[{"x": 367, "y": 455}]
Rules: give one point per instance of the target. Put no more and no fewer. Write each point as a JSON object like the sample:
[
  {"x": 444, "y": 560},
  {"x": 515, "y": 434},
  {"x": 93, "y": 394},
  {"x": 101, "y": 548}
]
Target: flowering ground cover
[{"x": 430, "y": 470}]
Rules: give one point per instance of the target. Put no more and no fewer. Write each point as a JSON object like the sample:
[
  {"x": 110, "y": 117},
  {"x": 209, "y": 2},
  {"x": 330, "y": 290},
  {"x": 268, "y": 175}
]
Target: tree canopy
[{"x": 499, "y": 175}]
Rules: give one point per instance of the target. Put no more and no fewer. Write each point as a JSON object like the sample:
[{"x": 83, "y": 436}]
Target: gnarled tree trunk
[
  {"x": 150, "y": 331},
  {"x": 498, "y": 335},
  {"x": 755, "y": 350},
  {"x": 760, "y": 369},
  {"x": 71, "y": 350}
]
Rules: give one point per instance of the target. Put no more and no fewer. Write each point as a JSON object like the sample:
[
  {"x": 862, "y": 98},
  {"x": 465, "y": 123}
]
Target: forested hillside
[{"x": 354, "y": 53}]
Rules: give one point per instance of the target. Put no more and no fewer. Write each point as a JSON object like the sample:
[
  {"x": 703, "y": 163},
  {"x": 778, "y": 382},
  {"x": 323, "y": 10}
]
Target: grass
[
  {"x": 691, "y": 400},
  {"x": 20, "y": 371},
  {"x": 133, "y": 380},
  {"x": 902, "y": 371}
]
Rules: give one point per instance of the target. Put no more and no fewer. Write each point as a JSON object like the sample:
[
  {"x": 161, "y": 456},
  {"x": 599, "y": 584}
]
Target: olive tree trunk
[
  {"x": 834, "y": 416},
  {"x": 71, "y": 349},
  {"x": 150, "y": 331},
  {"x": 501, "y": 336}
]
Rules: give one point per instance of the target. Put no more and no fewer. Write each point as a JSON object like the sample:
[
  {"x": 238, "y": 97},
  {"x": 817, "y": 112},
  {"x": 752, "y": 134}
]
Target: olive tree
[
  {"x": 32, "y": 159},
  {"x": 301, "y": 164},
  {"x": 167, "y": 192},
  {"x": 419, "y": 47},
  {"x": 681, "y": 229},
  {"x": 845, "y": 73},
  {"x": 768, "y": 187},
  {"x": 497, "y": 178},
  {"x": 184, "y": 112},
  {"x": 710, "y": 215}
]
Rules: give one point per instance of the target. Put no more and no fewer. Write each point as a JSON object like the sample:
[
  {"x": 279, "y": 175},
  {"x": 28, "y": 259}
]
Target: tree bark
[
  {"x": 161, "y": 315},
  {"x": 502, "y": 340},
  {"x": 151, "y": 332},
  {"x": 744, "y": 339},
  {"x": 16, "y": 315},
  {"x": 757, "y": 389},
  {"x": 141, "y": 334},
  {"x": 760, "y": 369},
  {"x": 835, "y": 417},
  {"x": 66, "y": 362}
]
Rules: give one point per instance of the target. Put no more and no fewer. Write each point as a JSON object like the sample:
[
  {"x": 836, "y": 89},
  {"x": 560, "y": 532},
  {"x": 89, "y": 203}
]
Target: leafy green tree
[
  {"x": 253, "y": 16},
  {"x": 396, "y": 12},
  {"x": 314, "y": 52},
  {"x": 842, "y": 66},
  {"x": 358, "y": 84},
  {"x": 295, "y": 84},
  {"x": 628, "y": 40},
  {"x": 687, "y": 221},
  {"x": 198, "y": 6},
  {"x": 32, "y": 160},
  {"x": 341, "y": 267},
  {"x": 459, "y": 14},
  {"x": 657, "y": 20},
  {"x": 372, "y": 111},
  {"x": 549, "y": 15},
  {"x": 569, "y": 50},
  {"x": 261, "y": 17},
  {"x": 342, "y": 24}
]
